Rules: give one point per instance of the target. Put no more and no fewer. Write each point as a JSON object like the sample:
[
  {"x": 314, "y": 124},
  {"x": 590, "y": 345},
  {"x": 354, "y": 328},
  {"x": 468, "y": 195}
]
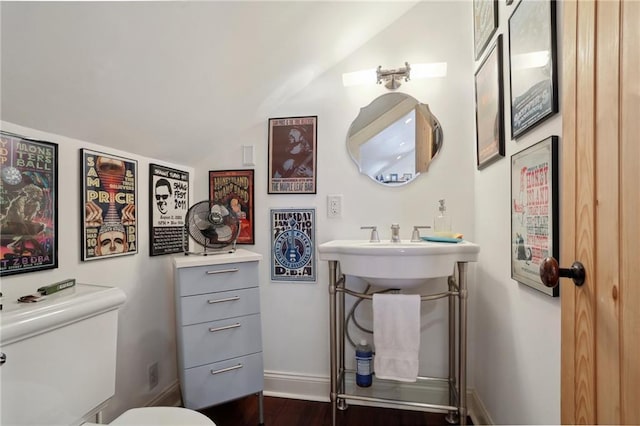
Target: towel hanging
[{"x": 396, "y": 336}]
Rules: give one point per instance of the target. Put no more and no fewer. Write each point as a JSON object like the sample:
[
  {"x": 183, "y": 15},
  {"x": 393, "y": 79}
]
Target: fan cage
[{"x": 213, "y": 226}]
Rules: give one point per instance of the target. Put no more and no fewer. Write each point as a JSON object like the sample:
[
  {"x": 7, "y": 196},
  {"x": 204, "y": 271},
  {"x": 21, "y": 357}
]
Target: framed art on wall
[
  {"x": 485, "y": 23},
  {"x": 234, "y": 189},
  {"x": 109, "y": 199},
  {"x": 293, "y": 245},
  {"x": 28, "y": 205},
  {"x": 168, "y": 206},
  {"x": 532, "y": 64},
  {"x": 292, "y": 155},
  {"x": 489, "y": 108},
  {"x": 534, "y": 212}
]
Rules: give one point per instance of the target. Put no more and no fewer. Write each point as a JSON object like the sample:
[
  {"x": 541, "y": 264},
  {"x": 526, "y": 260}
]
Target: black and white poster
[
  {"x": 293, "y": 242},
  {"x": 532, "y": 61},
  {"x": 168, "y": 206}
]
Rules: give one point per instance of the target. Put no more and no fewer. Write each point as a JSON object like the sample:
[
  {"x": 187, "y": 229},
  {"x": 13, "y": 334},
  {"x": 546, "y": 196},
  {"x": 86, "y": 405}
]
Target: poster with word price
[{"x": 108, "y": 189}]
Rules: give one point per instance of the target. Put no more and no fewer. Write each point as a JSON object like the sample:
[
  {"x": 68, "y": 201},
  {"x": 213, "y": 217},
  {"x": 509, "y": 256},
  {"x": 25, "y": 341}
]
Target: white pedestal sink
[{"x": 398, "y": 265}]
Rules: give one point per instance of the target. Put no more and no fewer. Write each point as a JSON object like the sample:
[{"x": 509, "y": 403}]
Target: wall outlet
[
  {"x": 153, "y": 375},
  {"x": 334, "y": 205}
]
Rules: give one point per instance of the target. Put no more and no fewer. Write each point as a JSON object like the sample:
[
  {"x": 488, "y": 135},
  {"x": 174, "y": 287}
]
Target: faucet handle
[
  {"x": 374, "y": 233},
  {"x": 415, "y": 236},
  {"x": 395, "y": 232}
]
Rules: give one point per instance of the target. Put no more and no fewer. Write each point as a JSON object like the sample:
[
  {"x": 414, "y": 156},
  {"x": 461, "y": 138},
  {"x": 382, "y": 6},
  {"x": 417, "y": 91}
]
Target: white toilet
[
  {"x": 57, "y": 369},
  {"x": 159, "y": 416}
]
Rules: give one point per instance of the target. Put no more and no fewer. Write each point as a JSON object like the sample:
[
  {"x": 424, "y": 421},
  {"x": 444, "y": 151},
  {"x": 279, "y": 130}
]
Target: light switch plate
[
  {"x": 334, "y": 205},
  {"x": 247, "y": 155}
]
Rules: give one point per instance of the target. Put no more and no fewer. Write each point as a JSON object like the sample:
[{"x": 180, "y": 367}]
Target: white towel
[{"x": 396, "y": 336}]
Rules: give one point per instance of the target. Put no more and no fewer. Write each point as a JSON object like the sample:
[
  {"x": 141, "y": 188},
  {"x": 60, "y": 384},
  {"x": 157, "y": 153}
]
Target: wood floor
[{"x": 293, "y": 412}]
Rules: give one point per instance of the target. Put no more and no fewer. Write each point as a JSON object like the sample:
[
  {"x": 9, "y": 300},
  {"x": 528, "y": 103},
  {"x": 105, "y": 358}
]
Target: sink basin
[{"x": 398, "y": 265}]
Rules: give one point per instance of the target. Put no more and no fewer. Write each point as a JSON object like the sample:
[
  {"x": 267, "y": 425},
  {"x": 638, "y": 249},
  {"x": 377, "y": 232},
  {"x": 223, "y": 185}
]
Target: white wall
[
  {"x": 295, "y": 315},
  {"x": 514, "y": 342},
  {"x": 517, "y": 329},
  {"x": 146, "y": 327}
]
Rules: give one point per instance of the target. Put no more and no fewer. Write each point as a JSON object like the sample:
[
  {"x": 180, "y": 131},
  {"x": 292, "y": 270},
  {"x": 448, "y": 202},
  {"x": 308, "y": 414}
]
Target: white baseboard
[
  {"x": 296, "y": 386},
  {"x": 477, "y": 410},
  {"x": 316, "y": 388},
  {"x": 168, "y": 397}
]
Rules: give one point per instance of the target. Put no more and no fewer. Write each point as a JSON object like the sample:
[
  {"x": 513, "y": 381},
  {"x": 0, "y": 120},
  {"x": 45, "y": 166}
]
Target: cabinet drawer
[
  {"x": 207, "y": 279},
  {"x": 216, "y": 306},
  {"x": 222, "y": 381},
  {"x": 219, "y": 340}
]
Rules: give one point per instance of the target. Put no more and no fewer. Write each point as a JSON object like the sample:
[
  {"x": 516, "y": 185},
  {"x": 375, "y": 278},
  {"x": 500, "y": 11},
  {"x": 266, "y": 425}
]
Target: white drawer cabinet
[{"x": 218, "y": 328}]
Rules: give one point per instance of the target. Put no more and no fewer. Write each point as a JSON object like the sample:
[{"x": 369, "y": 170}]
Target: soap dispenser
[{"x": 442, "y": 222}]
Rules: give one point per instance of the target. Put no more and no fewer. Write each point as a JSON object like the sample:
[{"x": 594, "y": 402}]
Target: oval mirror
[{"x": 394, "y": 138}]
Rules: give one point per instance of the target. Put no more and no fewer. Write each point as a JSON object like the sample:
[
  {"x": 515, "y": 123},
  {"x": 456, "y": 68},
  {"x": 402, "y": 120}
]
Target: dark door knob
[{"x": 550, "y": 272}]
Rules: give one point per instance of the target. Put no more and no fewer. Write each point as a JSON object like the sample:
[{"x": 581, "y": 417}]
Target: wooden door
[{"x": 600, "y": 212}]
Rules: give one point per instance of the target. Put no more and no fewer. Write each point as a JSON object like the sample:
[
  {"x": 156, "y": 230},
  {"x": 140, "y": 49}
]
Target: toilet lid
[{"x": 158, "y": 416}]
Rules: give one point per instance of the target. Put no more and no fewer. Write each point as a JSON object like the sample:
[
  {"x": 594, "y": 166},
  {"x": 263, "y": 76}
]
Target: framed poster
[
  {"x": 489, "y": 108},
  {"x": 234, "y": 188},
  {"x": 28, "y": 205},
  {"x": 168, "y": 206},
  {"x": 532, "y": 64},
  {"x": 292, "y": 155},
  {"x": 109, "y": 199},
  {"x": 485, "y": 23},
  {"x": 293, "y": 245},
  {"x": 534, "y": 212}
]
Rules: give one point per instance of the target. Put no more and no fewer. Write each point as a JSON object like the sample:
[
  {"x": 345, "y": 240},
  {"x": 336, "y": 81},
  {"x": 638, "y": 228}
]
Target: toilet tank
[{"x": 60, "y": 356}]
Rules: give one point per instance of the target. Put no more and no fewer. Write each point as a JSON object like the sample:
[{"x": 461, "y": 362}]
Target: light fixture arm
[{"x": 392, "y": 77}]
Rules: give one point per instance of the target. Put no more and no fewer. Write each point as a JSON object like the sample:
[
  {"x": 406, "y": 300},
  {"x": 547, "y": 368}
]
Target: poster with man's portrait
[
  {"x": 28, "y": 205},
  {"x": 292, "y": 155},
  {"x": 110, "y": 224},
  {"x": 168, "y": 206}
]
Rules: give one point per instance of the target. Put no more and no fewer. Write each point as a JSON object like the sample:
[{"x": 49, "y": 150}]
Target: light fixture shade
[
  {"x": 359, "y": 77},
  {"x": 436, "y": 69}
]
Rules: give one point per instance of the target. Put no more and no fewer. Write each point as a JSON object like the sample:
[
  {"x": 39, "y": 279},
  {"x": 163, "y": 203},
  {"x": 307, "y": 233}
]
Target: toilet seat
[{"x": 160, "y": 416}]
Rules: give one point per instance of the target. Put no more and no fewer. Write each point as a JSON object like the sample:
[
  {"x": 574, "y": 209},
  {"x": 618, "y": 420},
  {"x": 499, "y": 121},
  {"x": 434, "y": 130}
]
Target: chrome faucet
[
  {"x": 395, "y": 233},
  {"x": 415, "y": 236},
  {"x": 374, "y": 233}
]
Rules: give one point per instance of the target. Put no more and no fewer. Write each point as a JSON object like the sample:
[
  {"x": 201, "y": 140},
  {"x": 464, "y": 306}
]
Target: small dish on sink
[{"x": 436, "y": 239}]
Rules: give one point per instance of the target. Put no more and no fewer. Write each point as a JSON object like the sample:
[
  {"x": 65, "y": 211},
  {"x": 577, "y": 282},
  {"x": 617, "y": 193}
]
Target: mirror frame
[{"x": 375, "y": 121}]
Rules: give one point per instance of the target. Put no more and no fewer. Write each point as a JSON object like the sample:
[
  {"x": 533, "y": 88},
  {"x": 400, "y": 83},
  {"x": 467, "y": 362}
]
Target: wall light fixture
[{"x": 392, "y": 78}]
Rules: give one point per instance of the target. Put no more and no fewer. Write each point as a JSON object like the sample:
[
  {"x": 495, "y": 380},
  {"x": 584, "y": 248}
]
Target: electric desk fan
[{"x": 213, "y": 226}]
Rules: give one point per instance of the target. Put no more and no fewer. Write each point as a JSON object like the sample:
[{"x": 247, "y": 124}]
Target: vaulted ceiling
[{"x": 154, "y": 78}]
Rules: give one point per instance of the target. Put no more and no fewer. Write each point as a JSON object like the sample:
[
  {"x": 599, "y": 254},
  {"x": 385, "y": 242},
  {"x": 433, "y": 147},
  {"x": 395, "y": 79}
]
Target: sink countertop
[
  {"x": 404, "y": 264},
  {"x": 329, "y": 249}
]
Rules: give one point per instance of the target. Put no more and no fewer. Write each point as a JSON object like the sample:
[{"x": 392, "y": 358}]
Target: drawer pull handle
[
  {"x": 228, "y": 299},
  {"x": 226, "y": 327},
  {"x": 224, "y": 370},
  {"x": 222, "y": 271}
]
